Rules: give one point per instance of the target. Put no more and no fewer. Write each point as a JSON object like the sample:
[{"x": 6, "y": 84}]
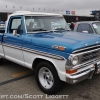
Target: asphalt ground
[{"x": 18, "y": 83}]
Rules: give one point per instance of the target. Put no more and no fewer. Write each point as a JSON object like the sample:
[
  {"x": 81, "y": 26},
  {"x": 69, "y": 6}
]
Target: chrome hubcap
[{"x": 46, "y": 78}]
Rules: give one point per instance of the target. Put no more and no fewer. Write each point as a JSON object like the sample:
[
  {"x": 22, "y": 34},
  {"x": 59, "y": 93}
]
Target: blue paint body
[{"x": 45, "y": 40}]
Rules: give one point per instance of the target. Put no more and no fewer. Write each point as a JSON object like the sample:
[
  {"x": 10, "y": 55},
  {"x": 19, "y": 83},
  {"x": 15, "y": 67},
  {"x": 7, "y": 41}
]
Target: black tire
[
  {"x": 57, "y": 84},
  {"x": 1, "y": 61}
]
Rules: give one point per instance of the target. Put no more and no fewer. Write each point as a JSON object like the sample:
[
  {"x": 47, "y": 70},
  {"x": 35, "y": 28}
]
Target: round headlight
[{"x": 74, "y": 60}]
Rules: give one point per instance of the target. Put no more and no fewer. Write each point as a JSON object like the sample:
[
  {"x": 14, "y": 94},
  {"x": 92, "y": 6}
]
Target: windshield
[
  {"x": 45, "y": 23},
  {"x": 97, "y": 27}
]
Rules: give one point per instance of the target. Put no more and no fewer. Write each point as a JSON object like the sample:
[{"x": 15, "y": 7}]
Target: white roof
[{"x": 28, "y": 13}]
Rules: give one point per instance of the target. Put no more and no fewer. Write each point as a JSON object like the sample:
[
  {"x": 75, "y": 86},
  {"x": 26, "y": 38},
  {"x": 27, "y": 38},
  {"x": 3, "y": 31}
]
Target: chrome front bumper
[{"x": 85, "y": 74}]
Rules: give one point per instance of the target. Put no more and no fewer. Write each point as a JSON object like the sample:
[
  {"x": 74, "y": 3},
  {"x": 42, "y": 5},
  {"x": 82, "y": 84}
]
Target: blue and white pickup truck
[{"x": 43, "y": 42}]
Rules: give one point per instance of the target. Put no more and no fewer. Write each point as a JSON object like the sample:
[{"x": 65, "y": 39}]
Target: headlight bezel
[
  {"x": 69, "y": 63},
  {"x": 74, "y": 60}
]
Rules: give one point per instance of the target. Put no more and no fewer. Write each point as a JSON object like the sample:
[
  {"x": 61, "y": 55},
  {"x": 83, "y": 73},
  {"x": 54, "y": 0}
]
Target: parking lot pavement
[{"x": 17, "y": 81}]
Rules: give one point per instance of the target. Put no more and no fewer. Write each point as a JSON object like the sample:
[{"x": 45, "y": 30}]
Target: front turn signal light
[
  {"x": 71, "y": 71},
  {"x": 61, "y": 48}
]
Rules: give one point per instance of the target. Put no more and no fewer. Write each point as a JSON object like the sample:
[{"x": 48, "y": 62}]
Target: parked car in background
[
  {"x": 92, "y": 27},
  {"x": 2, "y": 26}
]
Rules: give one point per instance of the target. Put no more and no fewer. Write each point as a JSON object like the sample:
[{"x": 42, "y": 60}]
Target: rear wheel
[{"x": 47, "y": 78}]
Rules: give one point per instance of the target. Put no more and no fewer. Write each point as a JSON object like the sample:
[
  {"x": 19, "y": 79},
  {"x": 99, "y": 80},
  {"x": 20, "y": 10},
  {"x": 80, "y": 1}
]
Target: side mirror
[
  {"x": 85, "y": 31},
  {"x": 15, "y": 33}
]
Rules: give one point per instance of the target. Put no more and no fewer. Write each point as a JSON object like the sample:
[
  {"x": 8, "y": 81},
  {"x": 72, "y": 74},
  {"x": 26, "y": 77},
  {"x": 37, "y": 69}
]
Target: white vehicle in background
[{"x": 92, "y": 27}]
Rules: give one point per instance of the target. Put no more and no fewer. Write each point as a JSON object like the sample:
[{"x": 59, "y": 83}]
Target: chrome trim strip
[
  {"x": 85, "y": 52},
  {"x": 85, "y": 48},
  {"x": 36, "y": 52},
  {"x": 12, "y": 46},
  {"x": 37, "y": 32},
  {"x": 43, "y": 54}
]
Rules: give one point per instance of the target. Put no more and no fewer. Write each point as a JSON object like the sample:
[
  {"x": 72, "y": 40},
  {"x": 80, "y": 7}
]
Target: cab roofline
[{"x": 29, "y": 13}]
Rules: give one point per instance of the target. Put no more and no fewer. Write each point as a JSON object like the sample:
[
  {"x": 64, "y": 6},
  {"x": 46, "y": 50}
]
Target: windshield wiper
[
  {"x": 40, "y": 29},
  {"x": 59, "y": 29}
]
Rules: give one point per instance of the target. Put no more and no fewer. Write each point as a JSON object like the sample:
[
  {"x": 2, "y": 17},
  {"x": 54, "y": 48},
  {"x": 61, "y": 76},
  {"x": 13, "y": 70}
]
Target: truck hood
[{"x": 71, "y": 40}]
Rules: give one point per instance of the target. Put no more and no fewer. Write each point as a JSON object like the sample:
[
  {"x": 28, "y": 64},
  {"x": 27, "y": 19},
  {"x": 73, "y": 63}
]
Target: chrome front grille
[{"x": 89, "y": 56}]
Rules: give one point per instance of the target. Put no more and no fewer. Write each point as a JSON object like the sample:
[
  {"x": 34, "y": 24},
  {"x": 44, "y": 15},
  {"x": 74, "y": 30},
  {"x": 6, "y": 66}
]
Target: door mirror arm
[{"x": 15, "y": 33}]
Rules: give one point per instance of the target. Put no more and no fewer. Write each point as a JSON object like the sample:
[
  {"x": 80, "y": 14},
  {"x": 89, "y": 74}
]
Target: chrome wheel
[{"x": 46, "y": 78}]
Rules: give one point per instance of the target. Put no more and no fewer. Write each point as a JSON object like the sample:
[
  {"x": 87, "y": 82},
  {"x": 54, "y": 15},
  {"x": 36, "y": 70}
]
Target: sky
[{"x": 81, "y": 7}]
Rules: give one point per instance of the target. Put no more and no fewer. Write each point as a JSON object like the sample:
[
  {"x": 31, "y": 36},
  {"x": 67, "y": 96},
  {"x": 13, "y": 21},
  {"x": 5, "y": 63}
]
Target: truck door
[{"x": 13, "y": 44}]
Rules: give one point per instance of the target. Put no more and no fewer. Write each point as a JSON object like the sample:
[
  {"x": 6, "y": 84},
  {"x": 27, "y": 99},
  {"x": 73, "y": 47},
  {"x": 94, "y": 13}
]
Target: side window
[
  {"x": 15, "y": 24},
  {"x": 84, "y": 27}
]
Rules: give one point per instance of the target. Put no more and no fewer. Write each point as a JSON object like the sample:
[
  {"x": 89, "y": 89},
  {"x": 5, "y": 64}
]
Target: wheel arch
[{"x": 38, "y": 60}]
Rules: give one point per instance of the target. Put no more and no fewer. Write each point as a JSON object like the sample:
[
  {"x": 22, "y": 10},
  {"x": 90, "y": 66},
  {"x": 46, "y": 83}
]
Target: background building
[
  {"x": 68, "y": 18},
  {"x": 96, "y": 14},
  {"x": 4, "y": 16},
  {"x": 75, "y": 18}
]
